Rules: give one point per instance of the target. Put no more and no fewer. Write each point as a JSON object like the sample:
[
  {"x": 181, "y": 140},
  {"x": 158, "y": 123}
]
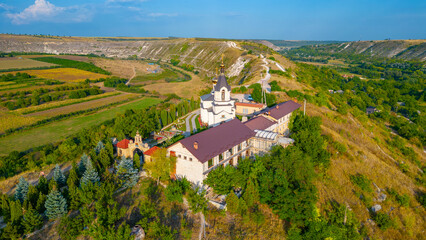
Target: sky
[{"x": 349, "y": 20}]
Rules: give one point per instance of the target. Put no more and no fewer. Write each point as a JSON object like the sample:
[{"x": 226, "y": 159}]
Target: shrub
[
  {"x": 361, "y": 181},
  {"x": 383, "y": 220}
]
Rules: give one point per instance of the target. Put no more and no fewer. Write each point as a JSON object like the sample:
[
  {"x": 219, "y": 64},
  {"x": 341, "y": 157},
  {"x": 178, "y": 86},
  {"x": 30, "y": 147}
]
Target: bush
[
  {"x": 383, "y": 220},
  {"x": 361, "y": 181}
]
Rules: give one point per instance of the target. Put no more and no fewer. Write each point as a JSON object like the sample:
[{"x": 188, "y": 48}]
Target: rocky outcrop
[{"x": 204, "y": 55}]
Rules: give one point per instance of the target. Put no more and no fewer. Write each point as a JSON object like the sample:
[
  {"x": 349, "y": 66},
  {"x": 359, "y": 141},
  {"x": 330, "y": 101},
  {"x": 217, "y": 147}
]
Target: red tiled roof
[
  {"x": 260, "y": 123},
  {"x": 217, "y": 140},
  {"x": 257, "y": 105},
  {"x": 151, "y": 151},
  {"x": 123, "y": 144},
  {"x": 280, "y": 110}
]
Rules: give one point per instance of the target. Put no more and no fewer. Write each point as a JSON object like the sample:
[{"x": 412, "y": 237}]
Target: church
[
  {"x": 229, "y": 140},
  {"x": 217, "y": 106}
]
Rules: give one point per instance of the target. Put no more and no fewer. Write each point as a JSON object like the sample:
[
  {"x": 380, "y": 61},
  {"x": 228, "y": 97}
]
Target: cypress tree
[
  {"x": 82, "y": 164},
  {"x": 5, "y": 208},
  {"x": 251, "y": 194},
  {"x": 32, "y": 220},
  {"x": 58, "y": 176},
  {"x": 105, "y": 159},
  {"x": 56, "y": 205},
  {"x": 90, "y": 175},
  {"x": 136, "y": 161},
  {"x": 74, "y": 197},
  {"x": 40, "y": 203},
  {"x": 21, "y": 190},
  {"x": 32, "y": 195},
  {"x": 43, "y": 185},
  {"x": 15, "y": 211},
  {"x": 127, "y": 173},
  {"x": 73, "y": 176}
]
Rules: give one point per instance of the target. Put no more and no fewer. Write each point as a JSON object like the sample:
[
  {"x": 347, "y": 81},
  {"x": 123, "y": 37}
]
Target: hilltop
[{"x": 399, "y": 49}]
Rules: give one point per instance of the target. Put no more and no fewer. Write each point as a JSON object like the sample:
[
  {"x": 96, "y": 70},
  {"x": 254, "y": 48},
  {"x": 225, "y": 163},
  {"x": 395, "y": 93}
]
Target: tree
[
  {"x": 43, "y": 185},
  {"x": 137, "y": 161},
  {"x": 251, "y": 194},
  {"x": 21, "y": 191},
  {"x": 32, "y": 220},
  {"x": 286, "y": 184},
  {"x": 82, "y": 164},
  {"x": 232, "y": 202},
  {"x": 161, "y": 166},
  {"x": 56, "y": 205},
  {"x": 221, "y": 179},
  {"x": 90, "y": 175},
  {"x": 176, "y": 189},
  {"x": 99, "y": 147},
  {"x": 197, "y": 200},
  {"x": 40, "y": 203},
  {"x": 126, "y": 173},
  {"x": 73, "y": 176},
  {"x": 105, "y": 158},
  {"x": 58, "y": 176}
]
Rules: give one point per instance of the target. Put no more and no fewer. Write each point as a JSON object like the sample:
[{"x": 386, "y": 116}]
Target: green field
[
  {"x": 14, "y": 63},
  {"x": 163, "y": 75},
  {"x": 57, "y": 131}
]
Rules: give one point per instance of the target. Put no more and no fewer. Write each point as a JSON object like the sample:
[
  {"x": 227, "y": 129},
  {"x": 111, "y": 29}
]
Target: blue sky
[{"x": 266, "y": 19}]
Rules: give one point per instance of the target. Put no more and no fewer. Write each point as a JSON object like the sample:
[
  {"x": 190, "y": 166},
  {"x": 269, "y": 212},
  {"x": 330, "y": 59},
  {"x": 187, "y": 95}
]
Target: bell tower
[{"x": 138, "y": 138}]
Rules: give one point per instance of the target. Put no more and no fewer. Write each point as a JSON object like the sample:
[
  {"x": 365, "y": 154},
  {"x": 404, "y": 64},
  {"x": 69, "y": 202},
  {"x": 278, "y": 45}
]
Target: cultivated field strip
[
  {"x": 51, "y": 105},
  {"x": 15, "y": 63},
  {"x": 82, "y": 106},
  {"x": 10, "y": 121},
  {"x": 63, "y": 74}
]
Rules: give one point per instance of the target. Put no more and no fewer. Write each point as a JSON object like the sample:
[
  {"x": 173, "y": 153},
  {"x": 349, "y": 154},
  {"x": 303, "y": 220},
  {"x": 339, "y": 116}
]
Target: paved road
[
  {"x": 194, "y": 126},
  {"x": 188, "y": 124}
]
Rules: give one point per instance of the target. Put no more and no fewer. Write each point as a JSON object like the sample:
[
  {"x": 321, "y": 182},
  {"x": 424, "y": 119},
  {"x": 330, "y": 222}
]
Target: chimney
[{"x": 196, "y": 145}]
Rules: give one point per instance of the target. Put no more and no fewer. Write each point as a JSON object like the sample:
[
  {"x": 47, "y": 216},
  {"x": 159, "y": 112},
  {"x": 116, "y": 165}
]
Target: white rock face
[{"x": 236, "y": 68}]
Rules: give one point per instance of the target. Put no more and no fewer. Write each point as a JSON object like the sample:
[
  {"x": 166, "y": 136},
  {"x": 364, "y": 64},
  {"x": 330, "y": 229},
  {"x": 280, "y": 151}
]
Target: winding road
[{"x": 265, "y": 81}]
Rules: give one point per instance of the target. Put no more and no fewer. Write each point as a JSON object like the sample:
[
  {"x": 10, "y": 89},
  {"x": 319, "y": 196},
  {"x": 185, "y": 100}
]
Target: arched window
[{"x": 223, "y": 95}]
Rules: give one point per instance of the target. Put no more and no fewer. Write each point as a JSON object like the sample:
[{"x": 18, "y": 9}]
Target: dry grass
[
  {"x": 16, "y": 63},
  {"x": 9, "y": 121},
  {"x": 123, "y": 68},
  {"x": 183, "y": 89},
  {"x": 378, "y": 164},
  {"x": 82, "y": 106},
  {"x": 64, "y": 74}
]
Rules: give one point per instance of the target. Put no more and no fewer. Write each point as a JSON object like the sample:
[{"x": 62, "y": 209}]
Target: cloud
[
  {"x": 5, "y": 7},
  {"x": 44, "y": 11},
  {"x": 162, "y": 14}
]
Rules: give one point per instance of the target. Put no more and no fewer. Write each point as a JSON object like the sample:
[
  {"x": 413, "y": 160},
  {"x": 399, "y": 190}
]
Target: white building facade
[{"x": 217, "y": 106}]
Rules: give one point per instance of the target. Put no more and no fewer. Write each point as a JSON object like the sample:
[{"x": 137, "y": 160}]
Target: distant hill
[
  {"x": 402, "y": 49},
  {"x": 288, "y": 44}
]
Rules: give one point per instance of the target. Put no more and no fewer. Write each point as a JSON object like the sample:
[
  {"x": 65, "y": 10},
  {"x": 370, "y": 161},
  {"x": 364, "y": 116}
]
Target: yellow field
[
  {"x": 64, "y": 74},
  {"x": 8, "y": 121},
  {"x": 51, "y": 105},
  {"x": 16, "y": 63}
]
